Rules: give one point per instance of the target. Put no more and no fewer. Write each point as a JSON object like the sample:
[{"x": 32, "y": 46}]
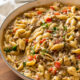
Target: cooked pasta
[{"x": 44, "y": 42}]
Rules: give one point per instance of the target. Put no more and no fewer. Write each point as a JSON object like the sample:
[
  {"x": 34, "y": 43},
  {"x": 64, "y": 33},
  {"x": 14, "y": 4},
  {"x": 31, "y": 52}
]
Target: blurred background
[{"x": 6, "y": 6}]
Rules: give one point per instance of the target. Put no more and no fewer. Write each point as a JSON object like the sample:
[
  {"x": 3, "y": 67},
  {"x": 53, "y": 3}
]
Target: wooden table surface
[{"x": 6, "y": 73}]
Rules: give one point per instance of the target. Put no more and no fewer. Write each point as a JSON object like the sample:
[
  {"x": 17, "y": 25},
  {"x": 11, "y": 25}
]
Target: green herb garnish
[
  {"x": 32, "y": 51},
  {"x": 43, "y": 53},
  {"x": 24, "y": 64},
  {"x": 44, "y": 50},
  {"x": 7, "y": 50},
  {"x": 65, "y": 28},
  {"x": 63, "y": 37},
  {"x": 54, "y": 28},
  {"x": 45, "y": 25},
  {"x": 14, "y": 48}
]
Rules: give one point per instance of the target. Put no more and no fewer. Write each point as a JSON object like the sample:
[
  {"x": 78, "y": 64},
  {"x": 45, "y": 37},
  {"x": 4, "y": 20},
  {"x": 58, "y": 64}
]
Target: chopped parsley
[
  {"x": 54, "y": 28},
  {"x": 32, "y": 51},
  {"x": 24, "y": 64},
  {"x": 7, "y": 50},
  {"x": 14, "y": 48},
  {"x": 45, "y": 25},
  {"x": 44, "y": 50},
  {"x": 65, "y": 28},
  {"x": 63, "y": 37}
]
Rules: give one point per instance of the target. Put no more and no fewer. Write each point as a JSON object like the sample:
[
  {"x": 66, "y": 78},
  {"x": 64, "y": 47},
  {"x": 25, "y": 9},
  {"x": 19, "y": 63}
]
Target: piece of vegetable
[
  {"x": 69, "y": 8},
  {"x": 57, "y": 65},
  {"x": 42, "y": 40},
  {"x": 7, "y": 50},
  {"x": 39, "y": 12},
  {"x": 56, "y": 13},
  {"x": 49, "y": 31},
  {"x": 35, "y": 56},
  {"x": 14, "y": 48},
  {"x": 63, "y": 37},
  {"x": 50, "y": 69},
  {"x": 15, "y": 30},
  {"x": 48, "y": 20},
  {"x": 51, "y": 7},
  {"x": 45, "y": 25},
  {"x": 54, "y": 28},
  {"x": 30, "y": 58},
  {"x": 65, "y": 28},
  {"x": 32, "y": 51},
  {"x": 64, "y": 11},
  {"x": 44, "y": 50},
  {"x": 24, "y": 64}
]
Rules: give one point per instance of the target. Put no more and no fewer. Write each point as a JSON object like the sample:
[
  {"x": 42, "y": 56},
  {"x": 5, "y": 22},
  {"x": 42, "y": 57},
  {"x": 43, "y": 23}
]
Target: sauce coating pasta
[{"x": 44, "y": 43}]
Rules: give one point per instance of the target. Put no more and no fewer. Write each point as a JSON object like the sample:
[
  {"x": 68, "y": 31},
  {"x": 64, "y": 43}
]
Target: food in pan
[{"x": 44, "y": 43}]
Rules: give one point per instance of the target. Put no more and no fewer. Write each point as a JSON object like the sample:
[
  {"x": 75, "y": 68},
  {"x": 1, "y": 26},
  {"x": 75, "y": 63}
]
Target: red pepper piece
[
  {"x": 57, "y": 65},
  {"x": 42, "y": 40},
  {"x": 48, "y": 20}
]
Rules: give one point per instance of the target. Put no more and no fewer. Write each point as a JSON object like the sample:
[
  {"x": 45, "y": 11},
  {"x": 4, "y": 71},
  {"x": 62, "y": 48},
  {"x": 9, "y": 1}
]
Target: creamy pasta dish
[{"x": 43, "y": 43}]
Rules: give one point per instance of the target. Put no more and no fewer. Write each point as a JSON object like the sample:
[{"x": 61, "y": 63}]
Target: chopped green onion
[
  {"x": 65, "y": 28},
  {"x": 7, "y": 50},
  {"x": 54, "y": 28},
  {"x": 24, "y": 64},
  {"x": 45, "y": 25},
  {"x": 44, "y": 50},
  {"x": 14, "y": 48},
  {"x": 33, "y": 51},
  {"x": 43, "y": 53},
  {"x": 63, "y": 37}
]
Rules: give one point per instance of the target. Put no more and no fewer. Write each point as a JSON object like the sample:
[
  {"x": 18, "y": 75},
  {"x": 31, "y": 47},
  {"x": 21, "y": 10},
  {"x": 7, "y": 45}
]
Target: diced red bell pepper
[
  {"x": 30, "y": 58},
  {"x": 56, "y": 13},
  {"x": 54, "y": 72},
  {"x": 57, "y": 65},
  {"x": 64, "y": 11},
  {"x": 48, "y": 20},
  {"x": 42, "y": 40},
  {"x": 49, "y": 31},
  {"x": 50, "y": 69},
  {"x": 15, "y": 30},
  {"x": 51, "y": 7},
  {"x": 35, "y": 56},
  {"x": 69, "y": 8},
  {"x": 78, "y": 56},
  {"x": 39, "y": 12}
]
